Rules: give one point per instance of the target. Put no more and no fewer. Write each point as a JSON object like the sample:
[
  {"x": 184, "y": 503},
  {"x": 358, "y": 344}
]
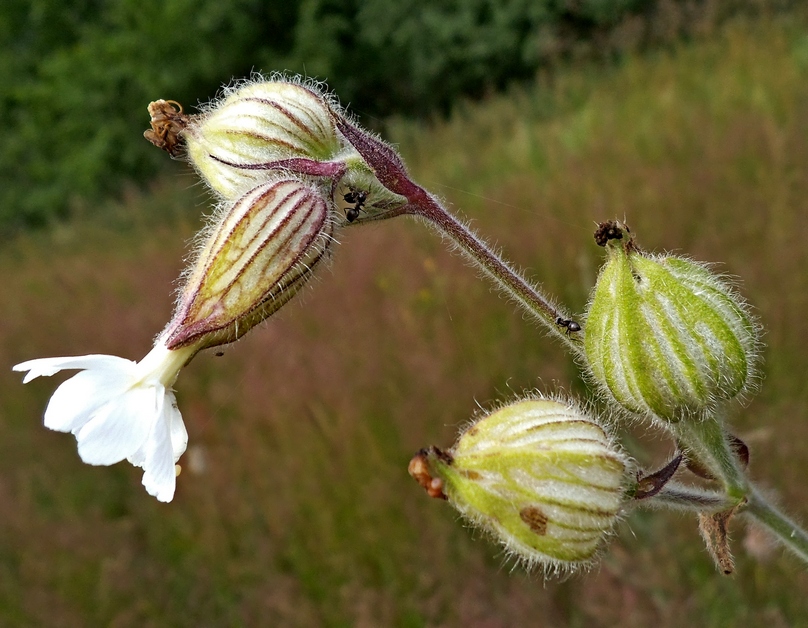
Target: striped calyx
[
  {"x": 665, "y": 336},
  {"x": 254, "y": 125},
  {"x": 542, "y": 477},
  {"x": 263, "y": 250}
]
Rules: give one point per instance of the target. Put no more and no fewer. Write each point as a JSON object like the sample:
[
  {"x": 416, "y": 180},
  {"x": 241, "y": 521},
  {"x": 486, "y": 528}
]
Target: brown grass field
[{"x": 294, "y": 507}]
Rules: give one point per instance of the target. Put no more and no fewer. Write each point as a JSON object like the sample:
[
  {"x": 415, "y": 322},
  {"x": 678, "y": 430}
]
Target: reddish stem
[{"x": 392, "y": 174}]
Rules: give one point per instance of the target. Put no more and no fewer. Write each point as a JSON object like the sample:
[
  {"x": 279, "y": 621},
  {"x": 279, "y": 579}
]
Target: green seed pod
[
  {"x": 256, "y": 124},
  {"x": 664, "y": 335},
  {"x": 542, "y": 477}
]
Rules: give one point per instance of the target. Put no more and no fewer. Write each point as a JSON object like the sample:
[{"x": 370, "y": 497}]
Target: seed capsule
[
  {"x": 256, "y": 124},
  {"x": 665, "y": 336},
  {"x": 542, "y": 477}
]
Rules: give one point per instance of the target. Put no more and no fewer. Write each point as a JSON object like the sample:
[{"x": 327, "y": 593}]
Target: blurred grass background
[{"x": 294, "y": 506}]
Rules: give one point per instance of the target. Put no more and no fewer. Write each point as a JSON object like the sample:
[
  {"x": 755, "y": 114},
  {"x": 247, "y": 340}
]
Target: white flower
[
  {"x": 262, "y": 250},
  {"x": 120, "y": 409}
]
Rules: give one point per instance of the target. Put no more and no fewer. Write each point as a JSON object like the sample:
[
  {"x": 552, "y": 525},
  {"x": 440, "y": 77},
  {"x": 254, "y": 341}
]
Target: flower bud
[
  {"x": 263, "y": 250},
  {"x": 664, "y": 335},
  {"x": 542, "y": 477},
  {"x": 255, "y": 124}
]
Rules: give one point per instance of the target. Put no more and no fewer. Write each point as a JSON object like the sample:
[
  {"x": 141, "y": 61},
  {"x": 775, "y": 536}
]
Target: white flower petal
[
  {"x": 77, "y": 399},
  {"x": 121, "y": 409},
  {"x": 179, "y": 435},
  {"x": 120, "y": 427},
  {"x": 138, "y": 457},
  {"x": 159, "y": 476},
  {"x": 45, "y": 367}
]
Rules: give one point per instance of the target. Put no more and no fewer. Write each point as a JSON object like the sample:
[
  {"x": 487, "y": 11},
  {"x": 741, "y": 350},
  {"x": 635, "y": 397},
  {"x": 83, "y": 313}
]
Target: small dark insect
[
  {"x": 219, "y": 354},
  {"x": 571, "y": 326},
  {"x": 358, "y": 198}
]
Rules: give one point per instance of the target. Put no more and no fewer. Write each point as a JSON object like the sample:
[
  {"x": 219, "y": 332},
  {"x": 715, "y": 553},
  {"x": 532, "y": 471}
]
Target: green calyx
[
  {"x": 256, "y": 124},
  {"x": 540, "y": 476},
  {"x": 665, "y": 336}
]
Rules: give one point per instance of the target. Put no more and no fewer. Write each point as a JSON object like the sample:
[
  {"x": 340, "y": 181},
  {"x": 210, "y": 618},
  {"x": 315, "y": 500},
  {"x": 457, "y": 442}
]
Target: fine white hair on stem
[{"x": 501, "y": 287}]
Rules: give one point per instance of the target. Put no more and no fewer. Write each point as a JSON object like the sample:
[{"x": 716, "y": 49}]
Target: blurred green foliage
[{"x": 76, "y": 76}]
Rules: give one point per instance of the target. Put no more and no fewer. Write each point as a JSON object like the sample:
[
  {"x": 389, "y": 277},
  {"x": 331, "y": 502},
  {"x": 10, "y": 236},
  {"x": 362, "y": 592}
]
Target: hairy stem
[
  {"x": 390, "y": 171},
  {"x": 785, "y": 529},
  {"x": 506, "y": 278},
  {"x": 707, "y": 442},
  {"x": 684, "y": 497}
]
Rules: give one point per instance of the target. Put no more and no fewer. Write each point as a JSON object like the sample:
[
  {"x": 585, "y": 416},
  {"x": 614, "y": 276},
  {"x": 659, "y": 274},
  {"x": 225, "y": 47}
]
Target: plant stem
[
  {"x": 506, "y": 278},
  {"x": 390, "y": 171},
  {"x": 708, "y": 442},
  {"x": 684, "y": 497},
  {"x": 787, "y": 531},
  {"x": 705, "y": 441}
]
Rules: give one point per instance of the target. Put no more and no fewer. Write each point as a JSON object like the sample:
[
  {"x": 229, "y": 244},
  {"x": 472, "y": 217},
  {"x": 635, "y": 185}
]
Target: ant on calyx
[
  {"x": 358, "y": 198},
  {"x": 571, "y": 326}
]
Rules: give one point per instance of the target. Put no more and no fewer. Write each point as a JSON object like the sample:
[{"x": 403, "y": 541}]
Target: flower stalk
[
  {"x": 679, "y": 496},
  {"x": 706, "y": 443},
  {"x": 526, "y": 294},
  {"x": 785, "y": 529},
  {"x": 392, "y": 174}
]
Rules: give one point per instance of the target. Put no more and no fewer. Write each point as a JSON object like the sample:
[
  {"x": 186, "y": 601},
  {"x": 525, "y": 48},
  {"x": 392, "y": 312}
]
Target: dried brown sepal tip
[
  {"x": 651, "y": 484},
  {"x": 738, "y": 447},
  {"x": 609, "y": 230},
  {"x": 419, "y": 470},
  {"x": 713, "y": 528},
  {"x": 167, "y": 123}
]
